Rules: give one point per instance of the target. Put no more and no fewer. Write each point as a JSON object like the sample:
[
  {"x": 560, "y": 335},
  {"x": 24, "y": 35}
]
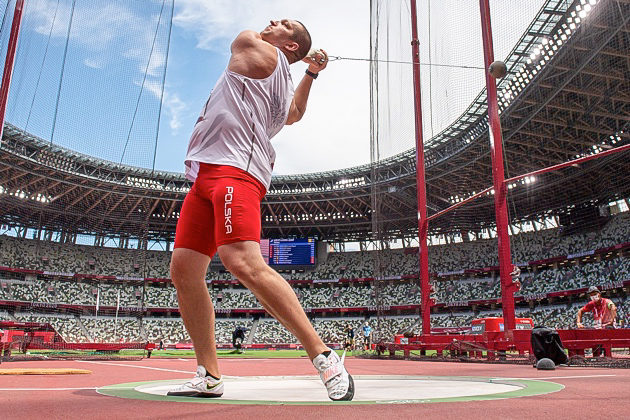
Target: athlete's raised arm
[{"x": 316, "y": 63}]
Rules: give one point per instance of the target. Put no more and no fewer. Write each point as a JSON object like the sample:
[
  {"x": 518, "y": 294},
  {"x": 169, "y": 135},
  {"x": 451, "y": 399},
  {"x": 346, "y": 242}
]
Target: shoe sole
[
  {"x": 192, "y": 394},
  {"x": 350, "y": 394}
]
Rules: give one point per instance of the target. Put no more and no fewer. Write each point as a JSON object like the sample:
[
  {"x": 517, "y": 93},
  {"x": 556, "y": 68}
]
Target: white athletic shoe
[
  {"x": 333, "y": 373},
  {"x": 199, "y": 386}
]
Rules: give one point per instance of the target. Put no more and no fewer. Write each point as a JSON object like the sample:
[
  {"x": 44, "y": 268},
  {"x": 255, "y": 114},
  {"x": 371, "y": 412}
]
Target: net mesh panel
[
  {"x": 451, "y": 56},
  {"x": 538, "y": 237},
  {"x": 85, "y": 97},
  {"x": 560, "y": 101},
  {"x": 28, "y": 348},
  {"x": 88, "y": 75},
  {"x": 66, "y": 71},
  {"x": 452, "y": 82}
]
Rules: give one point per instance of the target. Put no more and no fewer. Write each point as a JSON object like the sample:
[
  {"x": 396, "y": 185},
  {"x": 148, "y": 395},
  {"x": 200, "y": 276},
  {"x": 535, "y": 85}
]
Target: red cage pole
[
  {"x": 498, "y": 175},
  {"x": 9, "y": 60},
  {"x": 423, "y": 223}
]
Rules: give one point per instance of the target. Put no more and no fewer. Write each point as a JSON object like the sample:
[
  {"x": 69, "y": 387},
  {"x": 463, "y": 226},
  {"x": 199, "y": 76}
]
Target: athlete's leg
[
  {"x": 188, "y": 272},
  {"x": 194, "y": 246},
  {"x": 245, "y": 261}
]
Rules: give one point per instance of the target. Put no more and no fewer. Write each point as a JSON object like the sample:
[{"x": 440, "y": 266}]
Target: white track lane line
[
  {"x": 135, "y": 366},
  {"x": 49, "y": 389},
  {"x": 561, "y": 377}
]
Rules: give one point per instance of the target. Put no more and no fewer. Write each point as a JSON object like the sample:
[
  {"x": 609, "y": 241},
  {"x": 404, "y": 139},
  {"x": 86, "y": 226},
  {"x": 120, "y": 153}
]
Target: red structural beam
[
  {"x": 461, "y": 203},
  {"x": 423, "y": 222},
  {"x": 532, "y": 173},
  {"x": 498, "y": 175},
  {"x": 9, "y": 60},
  {"x": 569, "y": 163}
]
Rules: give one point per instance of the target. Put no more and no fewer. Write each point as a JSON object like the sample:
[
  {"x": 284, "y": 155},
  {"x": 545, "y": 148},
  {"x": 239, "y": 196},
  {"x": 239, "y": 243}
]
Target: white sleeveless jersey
[{"x": 239, "y": 119}]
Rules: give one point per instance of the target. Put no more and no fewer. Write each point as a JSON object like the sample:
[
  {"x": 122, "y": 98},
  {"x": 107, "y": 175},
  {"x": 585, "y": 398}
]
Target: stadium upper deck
[{"x": 573, "y": 105}]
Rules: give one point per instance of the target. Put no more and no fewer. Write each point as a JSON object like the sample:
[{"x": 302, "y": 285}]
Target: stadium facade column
[
  {"x": 9, "y": 60},
  {"x": 423, "y": 223},
  {"x": 498, "y": 175}
]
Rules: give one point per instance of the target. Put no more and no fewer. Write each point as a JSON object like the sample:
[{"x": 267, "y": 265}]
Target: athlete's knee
[
  {"x": 240, "y": 266},
  {"x": 187, "y": 266},
  {"x": 177, "y": 270},
  {"x": 245, "y": 266}
]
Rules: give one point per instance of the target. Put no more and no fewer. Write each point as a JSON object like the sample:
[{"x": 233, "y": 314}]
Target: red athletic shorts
[{"x": 222, "y": 207}]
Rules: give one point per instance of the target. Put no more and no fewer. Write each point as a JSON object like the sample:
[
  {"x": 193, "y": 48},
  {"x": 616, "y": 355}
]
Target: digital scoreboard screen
[{"x": 290, "y": 251}]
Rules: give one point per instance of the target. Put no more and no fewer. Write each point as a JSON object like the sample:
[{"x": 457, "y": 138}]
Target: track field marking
[
  {"x": 562, "y": 377},
  {"x": 135, "y": 366},
  {"x": 49, "y": 389}
]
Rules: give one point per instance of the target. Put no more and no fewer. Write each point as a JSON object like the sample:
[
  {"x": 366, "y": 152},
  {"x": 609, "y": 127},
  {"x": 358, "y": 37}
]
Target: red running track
[{"x": 596, "y": 393}]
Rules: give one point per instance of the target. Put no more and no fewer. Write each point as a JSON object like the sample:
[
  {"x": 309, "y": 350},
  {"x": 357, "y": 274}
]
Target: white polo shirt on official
[{"x": 239, "y": 119}]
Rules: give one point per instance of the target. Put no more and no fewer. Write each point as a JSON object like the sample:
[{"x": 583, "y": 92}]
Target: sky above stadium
[
  {"x": 97, "y": 89},
  {"x": 335, "y": 130}
]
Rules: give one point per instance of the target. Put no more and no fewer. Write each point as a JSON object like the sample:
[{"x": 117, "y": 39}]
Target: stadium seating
[
  {"x": 530, "y": 246},
  {"x": 67, "y": 325},
  {"x": 448, "y": 261},
  {"x": 569, "y": 276},
  {"x": 109, "y": 329}
]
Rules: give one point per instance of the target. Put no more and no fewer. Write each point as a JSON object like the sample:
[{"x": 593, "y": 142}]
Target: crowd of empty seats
[
  {"x": 578, "y": 276},
  {"x": 52, "y": 256},
  {"x": 107, "y": 329},
  {"x": 69, "y": 258},
  {"x": 68, "y": 326},
  {"x": 72, "y": 292},
  {"x": 386, "y": 328},
  {"x": 269, "y": 331},
  {"x": 168, "y": 330},
  {"x": 272, "y": 332},
  {"x": 569, "y": 276},
  {"x": 130, "y": 265}
]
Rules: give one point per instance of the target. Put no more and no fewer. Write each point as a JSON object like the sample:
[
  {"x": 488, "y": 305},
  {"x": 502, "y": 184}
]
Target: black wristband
[{"x": 313, "y": 75}]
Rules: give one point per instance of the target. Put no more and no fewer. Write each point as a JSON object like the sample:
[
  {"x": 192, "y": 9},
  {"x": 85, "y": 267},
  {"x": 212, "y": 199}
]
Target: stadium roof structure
[{"x": 572, "y": 99}]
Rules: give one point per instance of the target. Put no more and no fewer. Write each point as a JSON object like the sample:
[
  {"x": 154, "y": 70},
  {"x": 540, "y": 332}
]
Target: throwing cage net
[
  {"x": 452, "y": 80},
  {"x": 565, "y": 151},
  {"x": 78, "y": 154}
]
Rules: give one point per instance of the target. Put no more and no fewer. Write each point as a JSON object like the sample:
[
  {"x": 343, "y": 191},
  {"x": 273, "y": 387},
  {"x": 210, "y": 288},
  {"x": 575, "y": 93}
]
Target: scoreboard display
[{"x": 287, "y": 252}]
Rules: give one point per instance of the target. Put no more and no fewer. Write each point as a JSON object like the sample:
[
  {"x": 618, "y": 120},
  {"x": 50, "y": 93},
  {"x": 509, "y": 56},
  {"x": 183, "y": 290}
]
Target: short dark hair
[{"x": 303, "y": 39}]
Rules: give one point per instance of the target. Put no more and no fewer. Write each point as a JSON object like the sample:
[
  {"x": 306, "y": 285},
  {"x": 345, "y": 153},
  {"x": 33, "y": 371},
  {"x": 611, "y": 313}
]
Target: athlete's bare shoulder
[{"x": 252, "y": 57}]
